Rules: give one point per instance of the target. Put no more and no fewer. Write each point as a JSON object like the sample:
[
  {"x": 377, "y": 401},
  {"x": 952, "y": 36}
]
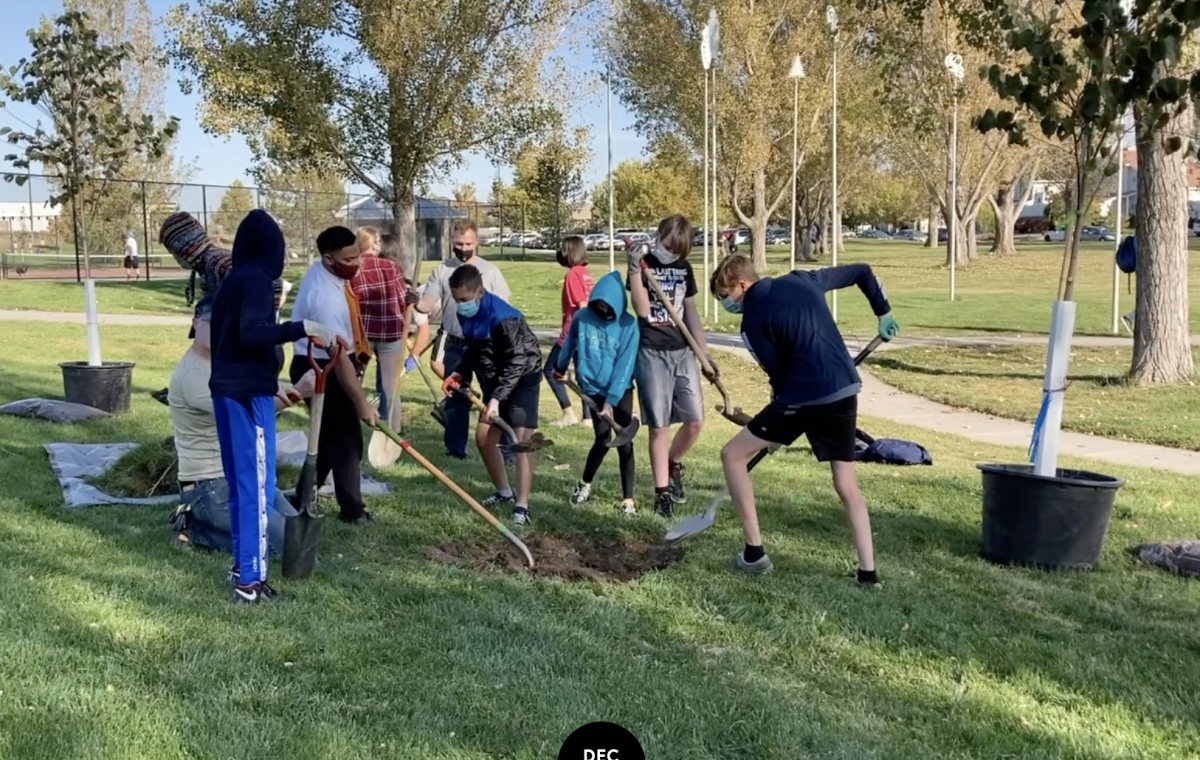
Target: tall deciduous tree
[
  {"x": 304, "y": 202},
  {"x": 550, "y": 173},
  {"x": 385, "y": 93},
  {"x": 75, "y": 81},
  {"x": 1084, "y": 65},
  {"x": 663, "y": 84},
  {"x": 235, "y": 204}
]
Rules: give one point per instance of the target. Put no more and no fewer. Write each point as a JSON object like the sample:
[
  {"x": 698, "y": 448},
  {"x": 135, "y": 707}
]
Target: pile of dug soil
[
  {"x": 152, "y": 469},
  {"x": 573, "y": 558}
]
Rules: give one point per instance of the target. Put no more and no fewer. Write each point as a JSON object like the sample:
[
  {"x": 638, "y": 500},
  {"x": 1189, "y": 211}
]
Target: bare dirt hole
[{"x": 570, "y": 557}]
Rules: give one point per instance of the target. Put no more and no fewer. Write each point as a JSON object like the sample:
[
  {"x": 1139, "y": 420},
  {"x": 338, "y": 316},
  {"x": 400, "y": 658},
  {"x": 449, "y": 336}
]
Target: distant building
[
  {"x": 20, "y": 217},
  {"x": 433, "y": 221}
]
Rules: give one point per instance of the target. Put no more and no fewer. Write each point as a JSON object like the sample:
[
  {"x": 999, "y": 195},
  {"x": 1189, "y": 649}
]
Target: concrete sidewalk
[{"x": 877, "y": 400}]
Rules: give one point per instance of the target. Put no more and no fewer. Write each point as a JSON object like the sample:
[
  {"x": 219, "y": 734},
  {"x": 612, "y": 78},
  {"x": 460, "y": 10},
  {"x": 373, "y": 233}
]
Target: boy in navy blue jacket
[
  {"x": 788, "y": 329},
  {"x": 244, "y": 381}
]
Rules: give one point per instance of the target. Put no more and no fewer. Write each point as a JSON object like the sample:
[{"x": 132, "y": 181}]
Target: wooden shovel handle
[
  {"x": 591, "y": 404},
  {"x": 477, "y": 402}
]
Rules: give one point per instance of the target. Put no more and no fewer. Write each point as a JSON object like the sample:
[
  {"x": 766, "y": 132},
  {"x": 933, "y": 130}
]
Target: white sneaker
[
  {"x": 568, "y": 419},
  {"x": 628, "y": 508}
]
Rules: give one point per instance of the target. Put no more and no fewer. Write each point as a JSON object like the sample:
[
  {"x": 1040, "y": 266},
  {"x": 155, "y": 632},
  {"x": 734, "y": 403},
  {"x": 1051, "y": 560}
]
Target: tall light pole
[
  {"x": 706, "y": 61},
  {"x": 714, "y": 37},
  {"x": 1116, "y": 278},
  {"x": 954, "y": 65},
  {"x": 796, "y": 74},
  {"x": 612, "y": 255},
  {"x": 835, "y": 225}
]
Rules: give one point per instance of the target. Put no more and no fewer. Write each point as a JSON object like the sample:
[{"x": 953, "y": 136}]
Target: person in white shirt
[
  {"x": 131, "y": 258},
  {"x": 325, "y": 296},
  {"x": 202, "y": 518},
  {"x": 464, "y": 243}
]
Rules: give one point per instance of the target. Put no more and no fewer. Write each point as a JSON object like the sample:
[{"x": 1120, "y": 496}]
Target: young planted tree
[
  {"x": 383, "y": 93},
  {"x": 235, "y": 204},
  {"x": 551, "y": 175},
  {"x": 74, "y": 80},
  {"x": 303, "y": 202},
  {"x": 1083, "y": 66}
]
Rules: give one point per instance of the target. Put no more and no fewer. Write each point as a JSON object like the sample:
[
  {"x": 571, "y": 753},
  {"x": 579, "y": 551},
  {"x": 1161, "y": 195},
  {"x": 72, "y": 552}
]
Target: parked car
[
  {"x": 911, "y": 234},
  {"x": 874, "y": 235},
  {"x": 1089, "y": 233}
]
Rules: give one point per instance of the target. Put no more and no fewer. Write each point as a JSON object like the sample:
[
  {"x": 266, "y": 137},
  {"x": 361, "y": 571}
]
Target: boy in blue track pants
[
  {"x": 244, "y": 381},
  {"x": 603, "y": 342}
]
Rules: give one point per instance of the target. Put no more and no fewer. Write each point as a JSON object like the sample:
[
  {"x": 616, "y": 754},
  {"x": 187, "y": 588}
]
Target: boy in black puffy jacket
[{"x": 504, "y": 354}]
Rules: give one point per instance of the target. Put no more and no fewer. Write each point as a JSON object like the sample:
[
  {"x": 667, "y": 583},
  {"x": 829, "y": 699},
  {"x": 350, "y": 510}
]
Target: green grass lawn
[
  {"x": 1007, "y": 381},
  {"x": 994, "y": 295},
  {"x": 115, "y": 645}
]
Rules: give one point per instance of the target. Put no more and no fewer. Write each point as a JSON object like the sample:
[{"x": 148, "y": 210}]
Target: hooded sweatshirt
[
  {"x": 604, "y": 349},
  {"x": 245, "y": 363},
  {"x": 788, "y": 329},
  {"x": 501, "y": 349}
]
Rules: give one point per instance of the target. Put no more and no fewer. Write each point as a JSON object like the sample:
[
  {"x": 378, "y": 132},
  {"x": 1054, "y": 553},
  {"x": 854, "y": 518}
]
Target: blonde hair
[
  {"x": 733, "y": 268},
  {"x": 574, "y": 251},
  {"x": 368, "y": 239}
]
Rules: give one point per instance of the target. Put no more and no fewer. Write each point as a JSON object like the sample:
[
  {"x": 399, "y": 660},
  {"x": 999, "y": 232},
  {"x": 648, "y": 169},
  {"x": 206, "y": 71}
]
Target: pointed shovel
[{"x": 623, "y": 435}]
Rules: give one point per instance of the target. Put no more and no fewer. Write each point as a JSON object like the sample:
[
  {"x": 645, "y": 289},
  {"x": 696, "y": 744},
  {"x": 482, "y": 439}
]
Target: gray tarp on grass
[{"x": 72, "y": 462}]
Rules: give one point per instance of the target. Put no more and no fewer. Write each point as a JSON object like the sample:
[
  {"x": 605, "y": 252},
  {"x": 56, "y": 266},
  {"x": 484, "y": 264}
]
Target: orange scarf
[{"x": 362, "y": 348}]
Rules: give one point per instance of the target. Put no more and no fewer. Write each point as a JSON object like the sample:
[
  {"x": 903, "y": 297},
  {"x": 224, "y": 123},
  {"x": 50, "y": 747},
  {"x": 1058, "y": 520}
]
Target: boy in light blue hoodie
[{"x": 603, "y": 341}]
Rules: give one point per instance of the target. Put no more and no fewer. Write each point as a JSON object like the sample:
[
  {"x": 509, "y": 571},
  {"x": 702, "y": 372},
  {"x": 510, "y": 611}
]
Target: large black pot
[
  {"x": 106, "y": 387},
  {"x": 1054, "y": 523}
]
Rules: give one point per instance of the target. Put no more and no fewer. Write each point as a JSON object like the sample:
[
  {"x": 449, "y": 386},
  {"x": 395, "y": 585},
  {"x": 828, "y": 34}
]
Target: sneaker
[
  {"x": 232, "y": 575},
  {"x": 520, "y": 516},
  {"x": 664, "y": 504},
  {"x": 366, "y": 518},
  {"x": 628, "y": 508},
  {"x": 251, "y": 594},
  {"x": 497, "y": 499},
  {"x": 267, "y": 592},
  {"x": 759, "y": 567},
  {"x": 569, "y": 419},
  {"x": 676, "y": 484},
  {"x": 581, "y": 493}
]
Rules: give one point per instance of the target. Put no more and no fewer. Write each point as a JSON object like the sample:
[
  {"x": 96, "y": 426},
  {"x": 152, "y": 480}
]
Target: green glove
[{"x": 888, "y": 328}]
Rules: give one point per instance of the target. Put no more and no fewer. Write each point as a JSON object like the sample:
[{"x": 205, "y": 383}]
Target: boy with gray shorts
[{"x": 667, "y": 372}]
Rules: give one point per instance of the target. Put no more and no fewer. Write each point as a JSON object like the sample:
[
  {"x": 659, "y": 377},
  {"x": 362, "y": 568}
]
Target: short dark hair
[
  {"x": 335, "y": 239},
  {"x": 466, "y": 277},
  {"x": 675, "y": 235}
]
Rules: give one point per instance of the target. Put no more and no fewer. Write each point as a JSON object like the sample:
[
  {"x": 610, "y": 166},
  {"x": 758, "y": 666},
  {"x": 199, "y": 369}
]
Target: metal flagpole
[
  {"x": 835, "y": 223},
  {"x": 612, "y": 255},
  {"x": 714, "y": 37},
  {"x": 706, "y": 61},
  {"x": 954, "y": 64},
  {"x": 797, "y": 73}
]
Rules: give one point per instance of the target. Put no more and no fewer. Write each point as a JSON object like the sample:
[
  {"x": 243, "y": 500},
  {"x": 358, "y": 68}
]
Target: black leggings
[
  {"x": 340, "y": 447},
  {"x": 623, "y": 414}
]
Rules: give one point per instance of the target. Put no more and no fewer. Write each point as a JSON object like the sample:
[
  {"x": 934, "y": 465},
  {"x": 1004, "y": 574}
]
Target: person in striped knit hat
[{"x": 189, "y": 244}]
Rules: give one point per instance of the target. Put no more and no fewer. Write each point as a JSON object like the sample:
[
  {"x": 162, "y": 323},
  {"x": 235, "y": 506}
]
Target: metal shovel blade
[
  {"x": 627, "y": 434},
  {"x": 692, "y": 525},
  {"x": 536, "y": 442}
]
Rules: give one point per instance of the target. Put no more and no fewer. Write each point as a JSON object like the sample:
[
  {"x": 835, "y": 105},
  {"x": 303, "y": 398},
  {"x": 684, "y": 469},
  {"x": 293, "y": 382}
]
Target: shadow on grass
[
  {"x": 888, "y": 362},
  {"x": 385, "y": 654}
]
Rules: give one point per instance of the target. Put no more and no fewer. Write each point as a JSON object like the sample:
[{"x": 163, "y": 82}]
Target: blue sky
[{"x": 227, "y": 160}]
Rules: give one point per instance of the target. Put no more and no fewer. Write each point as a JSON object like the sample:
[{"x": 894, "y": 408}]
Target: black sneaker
[
  {"x": 676, "y": 484},
  {"x": 267, "y": 593},
  {"x": 366, "y": 518},
  {"x": 520, "y": 517},
  {"x": 232, "y": 576},
  {"x": 251, "y": 594},
  {"x": 581, "y": 493},
  {"x": 664, "y": 504},
  {"x": 497, "y": 498}
]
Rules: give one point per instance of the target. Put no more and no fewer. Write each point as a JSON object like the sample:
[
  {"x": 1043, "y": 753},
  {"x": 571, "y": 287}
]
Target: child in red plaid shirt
[{"x": 380, "y": 291}]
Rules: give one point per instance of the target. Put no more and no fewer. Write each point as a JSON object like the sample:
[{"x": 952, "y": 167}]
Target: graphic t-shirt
[
  {"x": 577, "y": 287},
  {"x": 678, "y": 282}
]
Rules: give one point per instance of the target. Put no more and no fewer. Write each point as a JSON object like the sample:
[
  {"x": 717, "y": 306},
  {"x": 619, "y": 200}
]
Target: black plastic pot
[
  {"x": 1053, "y": 523},
  {"x": 106, "y": 387}
]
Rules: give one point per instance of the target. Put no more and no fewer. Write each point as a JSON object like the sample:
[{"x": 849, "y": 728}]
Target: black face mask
[
  {"x": 602, "y": 310},
  {"x": 461, "y": 254}
]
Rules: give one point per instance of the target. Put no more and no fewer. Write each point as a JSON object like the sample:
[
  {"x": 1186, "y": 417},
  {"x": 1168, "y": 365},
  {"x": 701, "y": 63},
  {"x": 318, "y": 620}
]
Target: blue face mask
[
  {"x": 730, "y": 305},
  {"x": 467, "y": 308}
]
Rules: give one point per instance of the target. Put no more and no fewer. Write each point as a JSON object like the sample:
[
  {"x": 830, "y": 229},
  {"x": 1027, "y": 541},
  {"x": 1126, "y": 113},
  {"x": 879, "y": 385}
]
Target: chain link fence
[{"x": 37, "y": 240}]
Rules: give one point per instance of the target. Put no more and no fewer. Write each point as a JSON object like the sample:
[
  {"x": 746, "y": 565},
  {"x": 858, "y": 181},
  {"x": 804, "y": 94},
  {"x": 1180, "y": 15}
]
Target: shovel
[
  {"x": 624, "y": 435},
  {"x": 456, "y": 490},
  {"x": 302, "y": 532},
  {"x": 696, "y": 523},
  {"x": 439, "y": 402},
  {"x": 734, "y": 415},
  {"x": 536, "y": 442}
]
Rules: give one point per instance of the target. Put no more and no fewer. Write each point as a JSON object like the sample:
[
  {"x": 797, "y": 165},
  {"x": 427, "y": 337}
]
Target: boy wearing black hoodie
[
  {"x": 244, "y": 381},
  {"x": 788, "y": 329}
]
